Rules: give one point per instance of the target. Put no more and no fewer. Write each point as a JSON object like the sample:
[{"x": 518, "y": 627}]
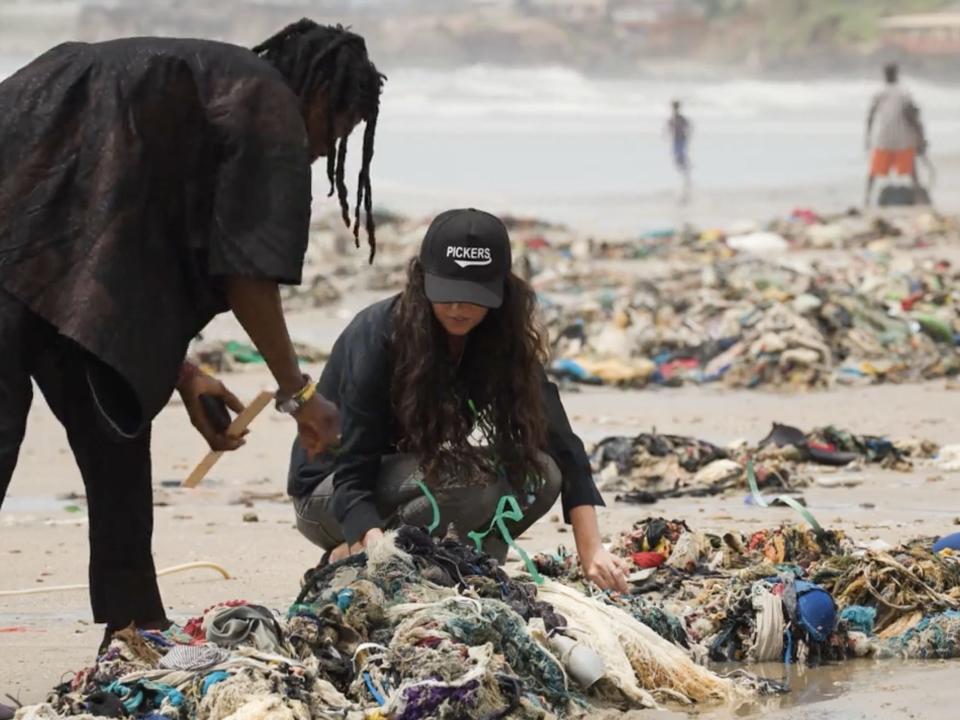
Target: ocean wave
[
  {"x": 510, "y": 96},
  {"x": 490, "y": 96}
]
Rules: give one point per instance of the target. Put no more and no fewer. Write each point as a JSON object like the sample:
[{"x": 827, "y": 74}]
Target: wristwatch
[{"x": 292, "y": 404}]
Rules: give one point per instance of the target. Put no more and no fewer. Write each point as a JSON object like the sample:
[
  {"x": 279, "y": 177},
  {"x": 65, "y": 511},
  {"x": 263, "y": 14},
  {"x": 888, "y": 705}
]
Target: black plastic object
[
  {"x": 835, "y": 457},
  {"x": 781, "y": 435},
  {"x": 899, "y": 195},
  {"x": 104, "y": 704},
  {"x": 216, "y": 411}
]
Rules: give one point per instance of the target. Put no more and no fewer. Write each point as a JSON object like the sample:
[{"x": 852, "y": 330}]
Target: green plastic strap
[
  {"x": 435, "y": 523},
  {"x": 761, "y": 501},
  {"x": 502, "y": 514},
  {"x": 514, "y": 513}
]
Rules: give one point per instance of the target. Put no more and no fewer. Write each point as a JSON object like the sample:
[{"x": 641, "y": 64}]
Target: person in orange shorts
[
  {"x": 902, "y": 162},
  {"x": 894, "y": 133}
]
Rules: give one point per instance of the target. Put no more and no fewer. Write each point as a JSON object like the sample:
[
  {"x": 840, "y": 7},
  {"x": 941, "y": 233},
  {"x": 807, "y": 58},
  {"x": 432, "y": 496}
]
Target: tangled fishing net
[
  {"x": 791, "y": 593},
  {"x": 416, "y": 628}
]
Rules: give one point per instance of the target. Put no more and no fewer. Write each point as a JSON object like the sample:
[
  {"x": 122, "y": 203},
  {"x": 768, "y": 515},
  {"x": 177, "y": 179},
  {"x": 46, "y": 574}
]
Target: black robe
[{"x": 134, "y": 176}]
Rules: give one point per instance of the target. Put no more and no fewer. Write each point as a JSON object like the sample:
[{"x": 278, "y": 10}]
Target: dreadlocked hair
[
  {"x": 314, "y": 58},
  {"x": 498, "y": 378}
]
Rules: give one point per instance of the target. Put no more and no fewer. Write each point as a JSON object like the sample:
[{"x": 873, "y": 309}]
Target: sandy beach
[
  {"x": 765, "y": 295},
  {"x": 43, "y": 526}
]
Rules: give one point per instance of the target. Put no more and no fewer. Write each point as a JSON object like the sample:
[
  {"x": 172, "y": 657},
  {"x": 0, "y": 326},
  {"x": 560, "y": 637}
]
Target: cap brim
[{"x": 487, "y": 294}]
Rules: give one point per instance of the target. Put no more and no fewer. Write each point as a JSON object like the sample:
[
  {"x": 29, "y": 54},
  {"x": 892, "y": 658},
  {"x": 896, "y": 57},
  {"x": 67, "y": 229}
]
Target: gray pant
[{"x": 401, "y": 502}]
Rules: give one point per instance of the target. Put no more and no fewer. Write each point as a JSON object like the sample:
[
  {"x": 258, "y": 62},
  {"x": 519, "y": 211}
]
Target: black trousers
[{"x": 116, "y": 472}]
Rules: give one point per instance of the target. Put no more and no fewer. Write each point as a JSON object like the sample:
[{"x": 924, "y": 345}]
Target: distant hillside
[
  {"x": 798, "y": 34},
  {"x": 619, "y": 37}
]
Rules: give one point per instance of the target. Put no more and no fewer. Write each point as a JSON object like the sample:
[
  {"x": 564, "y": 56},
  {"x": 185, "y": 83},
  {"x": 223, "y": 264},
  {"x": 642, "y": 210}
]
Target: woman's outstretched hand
[
  {"x": 343, "y": 551},
  {"x": 606, "y": 570}
]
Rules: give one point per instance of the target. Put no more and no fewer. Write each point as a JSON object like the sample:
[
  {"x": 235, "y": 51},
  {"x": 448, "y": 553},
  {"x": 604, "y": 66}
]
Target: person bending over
[{"x": 146, "y": 185}]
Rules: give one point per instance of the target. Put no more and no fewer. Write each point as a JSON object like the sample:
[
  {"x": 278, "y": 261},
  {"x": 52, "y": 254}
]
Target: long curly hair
[{"x": 496, "y": 386}]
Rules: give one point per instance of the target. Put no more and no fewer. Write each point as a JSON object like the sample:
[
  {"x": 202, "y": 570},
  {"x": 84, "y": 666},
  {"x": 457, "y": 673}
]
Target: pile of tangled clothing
[
  {"x": 558, "y": 259},
  {"x": 232, "y": 355},
  {"x": 414, "y": 628},
  {"x": 755, "y": 323},
  {"x": 726, "y": 311},
  {"x": 807, "y": 229},
  {"x": 802, "y": 229},
  {"x": 789, "y": 593},
  {"x": 651, "y": 466}
]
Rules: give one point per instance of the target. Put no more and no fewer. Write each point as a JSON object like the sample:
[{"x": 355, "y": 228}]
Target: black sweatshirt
[{"x": 357, "y": 378}]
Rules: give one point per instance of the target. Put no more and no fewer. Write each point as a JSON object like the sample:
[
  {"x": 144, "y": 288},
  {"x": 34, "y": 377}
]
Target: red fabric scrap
[
  {"x": 671, "y": 368},
  {"x": 757, "y": 540},
  {"x": 644, "y": 560},
  {"x": 908, "y": 302}
]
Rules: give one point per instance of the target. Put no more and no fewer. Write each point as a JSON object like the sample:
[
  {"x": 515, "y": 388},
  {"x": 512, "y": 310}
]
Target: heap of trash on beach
[
  {"x": 801, "y": 302},
  {"x": 791, "y": 594},
  {"x": 422, "y": 627},
  {"x": 430, "y": 627},
  {"x": 762, "y": 308},
  {"x": 751, "y": 323},
  {"x": 651, "y": 466},
  {"x": 417, "y": 627}
]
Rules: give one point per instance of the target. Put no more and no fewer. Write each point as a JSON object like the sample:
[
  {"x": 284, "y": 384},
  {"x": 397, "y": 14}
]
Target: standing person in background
[
  {"x": 679, "y": 130},
  {"x": 146, "y": 185},
  {"x": 895, "y": 134}
]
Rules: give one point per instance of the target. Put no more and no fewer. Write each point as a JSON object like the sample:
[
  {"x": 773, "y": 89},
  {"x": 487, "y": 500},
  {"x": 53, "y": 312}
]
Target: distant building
[
  {"x": 923, "y": 34},
  {"x": 499, "y": 4},
  {"x": 641, "y": 13},
  {"x": 570, "y": 10},
  {"x": 660, "y": 25}
]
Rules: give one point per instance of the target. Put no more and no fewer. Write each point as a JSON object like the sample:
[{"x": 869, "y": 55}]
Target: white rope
[{"x": 161, "y": 573}]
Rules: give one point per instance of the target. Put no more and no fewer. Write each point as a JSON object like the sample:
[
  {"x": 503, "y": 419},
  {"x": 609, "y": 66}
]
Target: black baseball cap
[{"x": 466, "y": 258}]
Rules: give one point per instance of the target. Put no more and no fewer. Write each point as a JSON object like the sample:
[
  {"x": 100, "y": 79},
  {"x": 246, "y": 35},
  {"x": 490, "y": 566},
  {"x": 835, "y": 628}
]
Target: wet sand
[{"x": 42, "y": 543}]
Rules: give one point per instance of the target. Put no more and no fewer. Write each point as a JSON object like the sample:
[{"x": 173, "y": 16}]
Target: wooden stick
[{"x": 239, "y": 424}]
